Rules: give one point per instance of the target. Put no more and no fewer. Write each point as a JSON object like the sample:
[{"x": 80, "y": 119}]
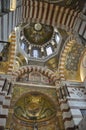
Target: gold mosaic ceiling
[
  {"x": 34, "y": 107},
  {"x": 37, "y": 33},
  {"x": 32, "y": 99}
]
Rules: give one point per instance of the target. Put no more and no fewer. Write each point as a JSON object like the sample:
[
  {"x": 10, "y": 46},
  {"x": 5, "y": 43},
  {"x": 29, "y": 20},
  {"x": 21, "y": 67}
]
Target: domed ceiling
[
  {"x": 37, "y": 33},
  {"x": 34, "y": 106},
  {"x": 42, "y": 45},
  {"x": 40, "y": 42}
]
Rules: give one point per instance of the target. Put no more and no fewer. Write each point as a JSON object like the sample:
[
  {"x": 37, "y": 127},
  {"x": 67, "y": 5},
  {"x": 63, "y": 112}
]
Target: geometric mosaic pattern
[{"x": 72, "y": 60}]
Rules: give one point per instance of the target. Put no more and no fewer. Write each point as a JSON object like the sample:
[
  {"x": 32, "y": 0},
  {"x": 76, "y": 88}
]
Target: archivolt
[{"x": 30, "y": 68}]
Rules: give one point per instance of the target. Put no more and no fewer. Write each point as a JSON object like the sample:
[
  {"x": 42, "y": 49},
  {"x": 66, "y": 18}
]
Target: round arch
[
  {"x": 46, "y": 72},
  {"x": 62, "y": 17}
]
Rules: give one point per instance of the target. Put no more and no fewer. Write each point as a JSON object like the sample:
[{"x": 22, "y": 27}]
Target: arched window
[
  {"x": 49, "y": 50},
  {"x": 35, "y": 53},
  {"x": 22, "y": 46},
  {"x": 57, "y": 38}
]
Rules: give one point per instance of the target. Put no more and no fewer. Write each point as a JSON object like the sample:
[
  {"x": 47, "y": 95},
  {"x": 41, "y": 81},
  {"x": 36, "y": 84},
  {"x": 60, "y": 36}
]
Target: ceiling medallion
[{"x": 38, "y": 26}]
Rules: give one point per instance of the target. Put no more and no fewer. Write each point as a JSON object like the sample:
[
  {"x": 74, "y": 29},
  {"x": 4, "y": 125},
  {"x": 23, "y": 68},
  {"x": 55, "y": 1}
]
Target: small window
[
  {"x": 35, "y": 53},
  {"x": 49, "y": 50},
  {"x": 57, "y": 38},
  {"x": 22, "y": 45}
]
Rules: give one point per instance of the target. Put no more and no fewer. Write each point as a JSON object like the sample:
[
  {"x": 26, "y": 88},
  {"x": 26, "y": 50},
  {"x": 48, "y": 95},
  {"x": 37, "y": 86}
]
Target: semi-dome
[{"x": 34, "y": 106}]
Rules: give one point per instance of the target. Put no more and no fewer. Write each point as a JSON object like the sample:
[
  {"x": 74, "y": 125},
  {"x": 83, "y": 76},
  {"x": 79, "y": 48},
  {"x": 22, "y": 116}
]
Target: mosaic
[
  {"x": 37, "y": 33},
  {"x": 73, "y": 57},
  {"x": 34, "y": 106}
]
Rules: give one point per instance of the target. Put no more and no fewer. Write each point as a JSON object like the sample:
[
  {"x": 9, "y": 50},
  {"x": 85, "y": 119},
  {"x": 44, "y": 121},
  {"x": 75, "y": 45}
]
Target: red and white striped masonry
[
  {"x": 50, "y": 14},
  {"x": 12, "y": 51}
]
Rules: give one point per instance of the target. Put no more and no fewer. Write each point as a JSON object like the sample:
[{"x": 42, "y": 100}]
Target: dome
[{"x": 37, "y": 33}]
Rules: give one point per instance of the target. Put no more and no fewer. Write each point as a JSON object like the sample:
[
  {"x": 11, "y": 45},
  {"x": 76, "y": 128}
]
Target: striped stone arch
[
  {"x": 50, "y": 14},
  {"x": 68, "y": 43},
  {"x": 12, "y": 40},
  {"x": 30, "y": 68}
]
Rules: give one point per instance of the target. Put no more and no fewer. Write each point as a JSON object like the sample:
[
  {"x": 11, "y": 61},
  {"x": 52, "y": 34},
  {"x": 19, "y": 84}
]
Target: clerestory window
[
  {"x": 49, "y": 50},
  {"x": 57, "y": 38},
  {"x": 35, "y": 53}
]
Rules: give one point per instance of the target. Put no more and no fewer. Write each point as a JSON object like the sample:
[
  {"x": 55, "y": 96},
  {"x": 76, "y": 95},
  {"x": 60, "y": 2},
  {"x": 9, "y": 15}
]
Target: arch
[
  {"x": 68, "y": 44},
  {"x": 12, "y": 39},
  {"x": 41, "y": 101},
  {"x": 42, "y": 70},
  {"x": 57, "y": 16}
]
